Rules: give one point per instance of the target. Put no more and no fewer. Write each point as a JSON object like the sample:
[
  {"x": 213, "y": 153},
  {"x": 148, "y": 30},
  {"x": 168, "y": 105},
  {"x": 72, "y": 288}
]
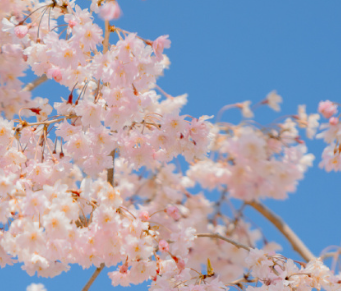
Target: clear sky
[{"x": 226, "y": 51}]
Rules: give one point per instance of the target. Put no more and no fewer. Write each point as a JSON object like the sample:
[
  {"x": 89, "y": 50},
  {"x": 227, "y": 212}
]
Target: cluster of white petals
[{"x": 276, "y": 272}]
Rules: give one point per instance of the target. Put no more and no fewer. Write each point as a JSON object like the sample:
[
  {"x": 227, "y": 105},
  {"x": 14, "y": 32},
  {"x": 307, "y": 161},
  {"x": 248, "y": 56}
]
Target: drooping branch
[
  {"x": 93, "y": 277},
  {"x": 31, "y": 86},
  {"x": 110, "y": 177},
  {"x": 218, "y": 236},
  {"x": 290, "y": 235}
]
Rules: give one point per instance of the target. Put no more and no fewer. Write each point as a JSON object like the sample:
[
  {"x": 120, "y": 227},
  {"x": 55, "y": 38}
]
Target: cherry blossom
[{"x": 94, "y": 180}]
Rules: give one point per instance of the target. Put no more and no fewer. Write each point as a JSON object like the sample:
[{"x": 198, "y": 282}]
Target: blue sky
[{"x": 227, "y": 51}]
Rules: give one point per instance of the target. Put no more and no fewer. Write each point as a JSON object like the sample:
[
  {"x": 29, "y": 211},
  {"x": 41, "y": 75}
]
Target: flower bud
[
  {"x": 21, "y": 31},
  {"x": 327, "y": 108},
  {"x": 163, "y": 246},
  {"x": 144, "y": 216},
  {"x": 110, "y": 11},
  {"x": 333, "y": 121},
  {"x": 173, "y": 212},
  {"x": 57, "y": 75}
]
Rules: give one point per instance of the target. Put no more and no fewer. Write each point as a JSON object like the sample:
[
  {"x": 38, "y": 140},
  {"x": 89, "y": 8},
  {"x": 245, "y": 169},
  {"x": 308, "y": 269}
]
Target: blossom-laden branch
[
  {"x": 66, "y": 197},
  {"x": 290, "y": 235},
  {"x": 110, "y": 177}
]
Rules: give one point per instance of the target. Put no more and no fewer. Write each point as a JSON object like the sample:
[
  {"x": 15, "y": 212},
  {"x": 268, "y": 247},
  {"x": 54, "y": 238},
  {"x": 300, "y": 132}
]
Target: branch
[
  {"x": 110, "y": 174},
  {"x": 31, "y": 86},
  {"x": 330, "y": 255},
  {"x": 242, "y": 280},
  {"x": 294, "y": 240},
  {"x": 93, "y": 277},
  {"x": 106, "y": 37},
  {"x": 110, "y": 171},
  {"x": 215, "y": 235}
]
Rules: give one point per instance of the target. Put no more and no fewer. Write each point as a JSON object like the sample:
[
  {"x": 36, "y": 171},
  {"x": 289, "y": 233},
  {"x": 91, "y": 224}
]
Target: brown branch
[
  {"x": 294, "y": 240},
  {"x": 106, "y": 37},
  {"x": 215, "y": 235},
  {"x": 110, "y": 174},
  {"x": 242, "y": 280},
  {"x": 93, "y": 277},
  {"x": 31, "y": 86}
]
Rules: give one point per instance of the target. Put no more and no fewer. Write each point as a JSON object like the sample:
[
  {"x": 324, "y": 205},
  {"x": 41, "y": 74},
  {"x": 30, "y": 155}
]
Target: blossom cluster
[
  {"x": 257, "y": 162},
  {"x": 93, "y": 179},
  {"x": 276, "y": 272},
  {"x": 331, "y": 158}
]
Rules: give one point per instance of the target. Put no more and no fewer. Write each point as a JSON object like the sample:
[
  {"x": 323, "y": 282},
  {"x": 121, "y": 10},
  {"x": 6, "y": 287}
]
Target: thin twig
[
  {"x": 93, "y": 277},
  {"x": 110, "y": 174},
  {"x": 290, "y": 235},
  {"x": 215, "y": 235},
  {"x": 242, "y": 280},
  {"x": 35, "y": 83},
  {"x": 330, "y": 255}
]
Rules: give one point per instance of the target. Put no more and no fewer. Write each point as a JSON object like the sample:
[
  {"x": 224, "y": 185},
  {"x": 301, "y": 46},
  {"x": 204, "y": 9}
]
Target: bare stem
[
  {"x": 242, "y": 280},
  {"x": 330, "y": 255},
  {"x": 294, "y": 240},
  {"x": 106, "y": 37},
  {"x": 31, "y": 86},
  {"x": 110, "y": 174},
  {"x": 93, "y": 277},
  {"x": 215, "y": 235},
  {"x": 48, "y": 122}
]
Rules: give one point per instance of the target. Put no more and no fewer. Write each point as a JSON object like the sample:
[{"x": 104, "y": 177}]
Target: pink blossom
[
  {"x": 159, "y": 45},
  {"x": 163, "y": 246},
  {"x": 173, "y": 212},
  {"x": 72, "y": 23},
  {"x": 55, "y": 73},
  {"x": 180, "y": 263},
  {"x": 327, "y": 108},
  {"x": 110, "y": 10},
  {"x": 333, "y": 121},
  {"x": 144, "y": 216},
  {"x": 21, "y": 31}
]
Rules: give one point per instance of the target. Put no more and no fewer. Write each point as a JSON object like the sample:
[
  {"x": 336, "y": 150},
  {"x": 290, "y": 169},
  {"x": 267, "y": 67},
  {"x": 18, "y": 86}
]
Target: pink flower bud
[
  {"x": 163, "y": 246},
  {"x": 173, "y": 212},
  {"x": 333, "y": 121},
  {"x": 110, "y": 11},
  {"x": 327, "y": 108},
  {"x": 72, "y": 23},
  {"x": 57, "y": 75},
  {"x": 159, "y": 45},
  {"x": 180, "y": 263},
  {"x": 144, "y": 216},
  {"x": 124, "y": 268},
  {"x": 20, "y": 31}
]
